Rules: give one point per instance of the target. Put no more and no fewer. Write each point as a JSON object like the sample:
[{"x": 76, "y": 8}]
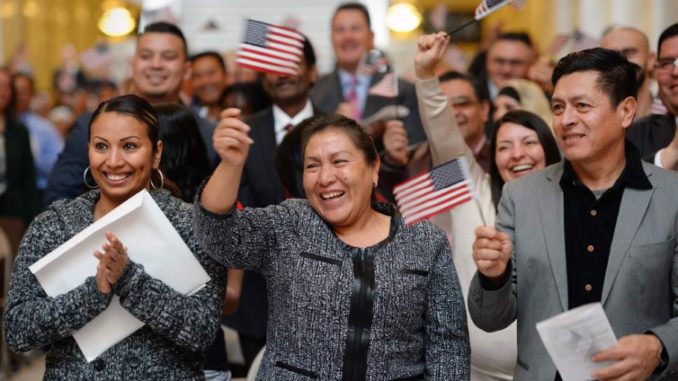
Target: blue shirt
[{"x": 46, "y": 144}]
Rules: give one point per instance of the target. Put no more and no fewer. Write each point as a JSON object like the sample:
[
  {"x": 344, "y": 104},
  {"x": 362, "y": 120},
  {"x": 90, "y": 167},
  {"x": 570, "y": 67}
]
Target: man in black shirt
[{"x": 598, "y": 227}]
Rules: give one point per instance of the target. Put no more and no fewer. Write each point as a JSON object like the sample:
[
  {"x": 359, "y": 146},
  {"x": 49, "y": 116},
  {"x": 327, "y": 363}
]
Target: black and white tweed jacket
[
  {"x": 390, "y": 311},
  {"x": 178, "y": 328}
]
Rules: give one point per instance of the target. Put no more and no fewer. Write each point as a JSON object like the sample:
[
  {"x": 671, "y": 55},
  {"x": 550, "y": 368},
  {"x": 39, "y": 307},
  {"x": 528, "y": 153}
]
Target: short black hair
[
  {"x": 669, "y": 32},
  {"x": 515, "y": 37},
  {"x": 26, "y": 76},
  {"x": 354, "y": 6},
  {"x": 211, "y": 54},
  {"x": 165, "y": 27},
  {"x": 478, "y": 88},
  {"x": 309, "y": 53},
  {"x": 617, "y": 76}
]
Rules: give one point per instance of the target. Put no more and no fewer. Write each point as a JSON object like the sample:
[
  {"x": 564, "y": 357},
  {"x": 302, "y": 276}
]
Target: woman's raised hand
[
  {"x": 231, "y": 138},
  {"x": 112, "y": 262},
  {"x": 430, "y": 51}
]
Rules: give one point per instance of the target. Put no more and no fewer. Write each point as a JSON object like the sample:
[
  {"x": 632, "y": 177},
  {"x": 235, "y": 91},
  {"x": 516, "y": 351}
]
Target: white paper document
[
  {"x": 151, "y": 241},
  {"x": 571, "y": 338}
]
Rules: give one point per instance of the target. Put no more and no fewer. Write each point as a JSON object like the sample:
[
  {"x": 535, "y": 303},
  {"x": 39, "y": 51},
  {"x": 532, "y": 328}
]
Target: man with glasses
[
  {"x": 509, "y": 57},
  {"x": 471, "y": 110},
  {"x": 654, "y": 132},
  {"x": 635, "y": 46}
]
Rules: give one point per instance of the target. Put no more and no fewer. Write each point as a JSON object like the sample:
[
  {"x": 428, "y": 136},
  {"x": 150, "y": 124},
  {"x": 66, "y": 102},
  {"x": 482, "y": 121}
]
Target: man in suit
[
  {"x": 159, "y": 67},
  {"x": 598, "y": 227},
  {"x": 508, "y": 57},
  {"x": 345, "y": 90},
  {"x": 655, "y": 135}
]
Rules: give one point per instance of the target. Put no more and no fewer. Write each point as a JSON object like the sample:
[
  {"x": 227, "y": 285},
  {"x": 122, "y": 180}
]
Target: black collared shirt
[{"x": 590, "y": 224}]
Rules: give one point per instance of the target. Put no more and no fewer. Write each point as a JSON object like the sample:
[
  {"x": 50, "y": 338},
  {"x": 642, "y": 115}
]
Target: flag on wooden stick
[
  {"x": 269, "y": 48},
  {"x": 443, "y": 188}
]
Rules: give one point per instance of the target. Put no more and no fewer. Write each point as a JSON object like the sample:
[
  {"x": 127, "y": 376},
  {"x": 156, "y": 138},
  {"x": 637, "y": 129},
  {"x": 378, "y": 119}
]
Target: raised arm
[
  {"x": 231, "y": 141},
  {"x": 445, "y": 139},
  {"x": 32, "y": 319}
]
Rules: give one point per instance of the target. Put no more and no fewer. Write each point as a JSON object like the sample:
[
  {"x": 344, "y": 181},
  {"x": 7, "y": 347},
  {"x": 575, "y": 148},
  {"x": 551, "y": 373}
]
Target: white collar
[{"x": 281, "y": 119}]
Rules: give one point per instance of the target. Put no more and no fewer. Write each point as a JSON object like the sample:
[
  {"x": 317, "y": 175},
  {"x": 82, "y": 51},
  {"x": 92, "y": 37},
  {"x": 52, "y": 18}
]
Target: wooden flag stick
[{"x": 461, "y": 27}]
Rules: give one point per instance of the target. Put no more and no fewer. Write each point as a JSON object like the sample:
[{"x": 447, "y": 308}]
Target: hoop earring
[
  {"x": 84, "y": 179},
  {"x": 162, "y": 180}
]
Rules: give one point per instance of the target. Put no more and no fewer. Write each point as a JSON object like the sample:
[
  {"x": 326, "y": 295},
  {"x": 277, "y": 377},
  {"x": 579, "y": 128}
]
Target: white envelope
[
  {"x": 572, "y": 337},
  {"x": 151, "y": 241}
]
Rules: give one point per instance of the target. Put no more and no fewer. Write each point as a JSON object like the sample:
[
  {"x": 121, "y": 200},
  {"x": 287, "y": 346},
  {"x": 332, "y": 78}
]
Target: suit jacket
[
  {"x": 640, "y": 291},
  {"x": 652, "y": 133},
  {"x": 327, "y": 94}
]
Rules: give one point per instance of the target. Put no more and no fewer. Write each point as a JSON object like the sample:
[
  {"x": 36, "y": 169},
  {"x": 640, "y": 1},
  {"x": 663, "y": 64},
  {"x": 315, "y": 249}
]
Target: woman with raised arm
[{"x": 354, "y": 294}]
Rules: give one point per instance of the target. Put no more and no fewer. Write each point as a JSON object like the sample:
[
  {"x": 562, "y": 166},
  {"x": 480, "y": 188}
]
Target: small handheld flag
[
  {"x": 443, "y": 188},
  {"x": 485, "y": 8},
  {"x": 270, "y": 48},
  {"x": 386, "y": 87}
]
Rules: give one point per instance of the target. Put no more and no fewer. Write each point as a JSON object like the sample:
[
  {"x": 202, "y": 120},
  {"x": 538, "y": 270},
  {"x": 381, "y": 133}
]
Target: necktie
[{"x": 352, "y": 97}]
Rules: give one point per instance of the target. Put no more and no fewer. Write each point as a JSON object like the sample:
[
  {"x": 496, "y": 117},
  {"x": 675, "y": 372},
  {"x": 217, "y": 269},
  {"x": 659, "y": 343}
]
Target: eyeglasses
[{"x": 666, "y": 64}]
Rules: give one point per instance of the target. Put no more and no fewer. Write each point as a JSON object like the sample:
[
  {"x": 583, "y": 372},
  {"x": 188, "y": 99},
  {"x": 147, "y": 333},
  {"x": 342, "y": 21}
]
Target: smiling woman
[
  {"x": 124, "y": 152},
  {"x": 354, "y": 294}
]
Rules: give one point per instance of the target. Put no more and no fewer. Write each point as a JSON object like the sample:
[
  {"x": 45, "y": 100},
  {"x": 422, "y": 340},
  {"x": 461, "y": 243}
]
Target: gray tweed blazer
[
  {"x": 414, "y": 329},
  {"x": 178, "y": 328}
]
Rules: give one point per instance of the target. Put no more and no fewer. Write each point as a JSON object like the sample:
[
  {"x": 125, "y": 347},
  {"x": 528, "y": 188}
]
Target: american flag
[
  {"x": 386, "y": 87},
  {"x": 97, "y": 56},
  {"x": 271, "y": 49},
  {"x": 443, "y": 188},
  {"x": 488, "y": 6}
]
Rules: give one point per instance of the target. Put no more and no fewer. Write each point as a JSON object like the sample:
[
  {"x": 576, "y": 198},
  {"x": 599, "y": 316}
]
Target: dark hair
[
  {"x": 478, "y": 88},
  {"x": 134, "y": 106},
  {"x": 309, "y": 53},
  {"x": 669, "y": 32},
  {"x": 514, "y": 37},
  {"x": 509, "y": 92},
  {"x": 354, "y": 6},
  {"x": 9, "y": 110},
  {"x": 534, "y": 123},
  {"x": 184, "y": 157},
  {"x": 211, "y": 54},
  {"x": 617, "y": 76},
  {"x": 165, "y": 27},
  {"x": 28, "y": 77},
  {"x": 350, "y": 127}
]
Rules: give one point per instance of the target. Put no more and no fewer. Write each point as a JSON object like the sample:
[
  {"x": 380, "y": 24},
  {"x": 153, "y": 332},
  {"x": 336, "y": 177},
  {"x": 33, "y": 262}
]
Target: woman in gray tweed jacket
[
  {"x": 354, "y": 294},
  {"x": 123, "y": 152}
]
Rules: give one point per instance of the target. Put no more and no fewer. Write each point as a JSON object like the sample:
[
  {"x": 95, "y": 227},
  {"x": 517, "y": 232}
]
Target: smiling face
[
  {"x": 518, "y": 151},
  {"x": 338, "y": 181},
  {"x": 470, "y": 113},
  {"x": 208, "y": 79},
  {"x": 507, "y": 59},
  {"x": 121, "y": 156},
  {"x": 667, "y": 77},
  {"x": 159, "y": 67},
  {"x": 589, "y": 129},
  {"x": 351, "y": 38},
  {"x": 285, "y": 90}
]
